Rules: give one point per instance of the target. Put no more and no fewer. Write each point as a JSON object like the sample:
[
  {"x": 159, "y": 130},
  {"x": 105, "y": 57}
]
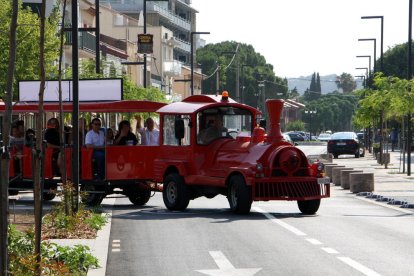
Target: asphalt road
[{"x": 348, "y": 236}]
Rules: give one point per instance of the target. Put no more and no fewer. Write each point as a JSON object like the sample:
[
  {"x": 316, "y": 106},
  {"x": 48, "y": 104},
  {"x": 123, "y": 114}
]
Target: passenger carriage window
[{"x": 170, "y": 135}]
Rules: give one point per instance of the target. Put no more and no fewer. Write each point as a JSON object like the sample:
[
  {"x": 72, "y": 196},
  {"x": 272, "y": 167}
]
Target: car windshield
[{"x": 343, "y": 135}]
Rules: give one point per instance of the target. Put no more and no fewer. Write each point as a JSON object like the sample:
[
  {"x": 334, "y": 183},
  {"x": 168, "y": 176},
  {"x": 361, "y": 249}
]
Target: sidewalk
[{"x": 390, "y": 183}]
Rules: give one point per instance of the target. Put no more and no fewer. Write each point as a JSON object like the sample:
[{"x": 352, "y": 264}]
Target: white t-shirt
[
  {"x": 148, "y": 137},
  {"x": 95, "y": 139}
]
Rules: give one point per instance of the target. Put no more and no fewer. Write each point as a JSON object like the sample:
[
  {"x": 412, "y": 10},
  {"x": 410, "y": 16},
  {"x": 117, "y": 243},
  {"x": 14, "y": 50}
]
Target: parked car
[
  {"x": 296, "y": 136},
  {"x": 345, "y": 143},
  {"x": 287, "y": 138},
  {"x": 324, "y": 137}
]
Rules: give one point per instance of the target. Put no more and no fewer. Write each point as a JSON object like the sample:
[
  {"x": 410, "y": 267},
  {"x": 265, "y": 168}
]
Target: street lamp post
[
  {"x": 409, "y": 76},
  {"x": 382, "y": 111},
  {"x": 242, "y": 82},
  {"x": 362, "y": 77},
  {"x": 366, "y": 73},
  {"x": 382, "y": 38},
  {"x": 145, "y": 31},
  {"x": 310, "y": 112},
  {"x": 375, "y": 48},
  {"x": 192, "y": 58},
  {"x": 369, "y": 67}
]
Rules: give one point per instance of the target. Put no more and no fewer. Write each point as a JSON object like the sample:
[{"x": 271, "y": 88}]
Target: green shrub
[{"x": 55, "y": 260}]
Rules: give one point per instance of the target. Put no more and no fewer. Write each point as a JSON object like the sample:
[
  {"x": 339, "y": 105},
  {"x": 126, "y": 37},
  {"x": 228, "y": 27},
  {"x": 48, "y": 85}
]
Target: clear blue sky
[{"x": 299, "y": 37}]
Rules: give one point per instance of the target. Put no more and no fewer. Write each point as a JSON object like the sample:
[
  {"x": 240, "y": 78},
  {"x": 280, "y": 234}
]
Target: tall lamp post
[
  {"x": 382, "y": 38},
  {"x": 145, "y": 31},
  {"x": 192, "y": 58},
  {"x": 310, "y": 112},
  {"x": 409, "y": 76},
  {"x": 382, "y": 111},
  {"x": 366, "y": 73},
  {"x": 362, "y": 77},
  {"x": 375, "y": 48},
  {"x": 369, "y": 67}
]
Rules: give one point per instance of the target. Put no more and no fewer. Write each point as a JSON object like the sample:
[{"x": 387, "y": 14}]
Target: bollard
[
  {"x": 336, "y": 175},
  {"x": 328, "y": 170},
  {"x": 361, "y": 182},
  {"x": 345, "y": 177}
]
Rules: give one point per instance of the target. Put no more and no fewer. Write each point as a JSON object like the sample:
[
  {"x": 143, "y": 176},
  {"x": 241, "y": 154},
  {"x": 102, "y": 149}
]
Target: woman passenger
[{"x": 125, "y": 136}]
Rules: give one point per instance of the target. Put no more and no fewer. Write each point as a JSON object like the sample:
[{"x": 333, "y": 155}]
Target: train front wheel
[
  {"x": 239, "y": 195},
  {"x": 309, "y": 207}
]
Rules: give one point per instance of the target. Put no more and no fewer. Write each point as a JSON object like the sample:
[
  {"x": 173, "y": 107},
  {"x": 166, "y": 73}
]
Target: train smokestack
[{"x": 274, "y": 107}]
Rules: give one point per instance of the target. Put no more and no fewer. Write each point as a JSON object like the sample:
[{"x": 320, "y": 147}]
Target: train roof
[
  {"x": 198, "y": 102},
  {"x": 113, "y": 106}
]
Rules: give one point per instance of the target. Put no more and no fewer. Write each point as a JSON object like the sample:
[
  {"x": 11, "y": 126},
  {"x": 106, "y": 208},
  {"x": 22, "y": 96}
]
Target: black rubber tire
[
  {"x": 13, "y": 192},
  {"x": 357, "y": 154},
  {"x": 91, "y": 199},
  {"x": 175, "y": 193},
  {"x": 139, "y": 198},
  {"x": 239, "y": 195},
  {"x": 335, "y": 156},
  {"x": 309, "y": 207},
  {"x": 48, "y": 196}
]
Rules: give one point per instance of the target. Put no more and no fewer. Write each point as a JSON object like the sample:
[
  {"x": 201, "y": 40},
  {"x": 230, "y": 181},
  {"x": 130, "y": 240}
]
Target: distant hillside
[{"x": 328, "y": 84}]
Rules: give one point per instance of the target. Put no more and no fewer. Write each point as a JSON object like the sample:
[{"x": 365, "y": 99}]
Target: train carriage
[{"x": 209, "y": 145}]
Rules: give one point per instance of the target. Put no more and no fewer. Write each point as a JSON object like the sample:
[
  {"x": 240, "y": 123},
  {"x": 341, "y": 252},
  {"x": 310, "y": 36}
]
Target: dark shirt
[
  {"x": 130, "y": 136},
  {"x": 52, "y": 136}
]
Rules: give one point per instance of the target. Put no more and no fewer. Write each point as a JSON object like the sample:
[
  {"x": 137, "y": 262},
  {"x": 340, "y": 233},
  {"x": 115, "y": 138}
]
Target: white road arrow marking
[{"x": 226, "y": 268}]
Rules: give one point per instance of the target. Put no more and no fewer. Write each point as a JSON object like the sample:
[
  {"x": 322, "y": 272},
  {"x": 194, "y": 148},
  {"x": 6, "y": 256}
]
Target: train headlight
[{"x": 259, "y": 170}]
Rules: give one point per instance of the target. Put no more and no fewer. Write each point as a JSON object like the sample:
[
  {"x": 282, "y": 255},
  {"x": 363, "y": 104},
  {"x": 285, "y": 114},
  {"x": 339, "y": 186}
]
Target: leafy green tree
[
  {"x": 255, "y": 69},
  {"x": 346, "y": 82},
  {"x": 395, "y": 61},
  {"x": 27, "y": 51},
  {"x": 295, "y": 125}
]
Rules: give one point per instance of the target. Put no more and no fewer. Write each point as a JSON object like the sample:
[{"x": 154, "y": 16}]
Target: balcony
[
  {"x": 172, "y": 68},
  {"x": 86, "y": 41},
  {"x": 172, "y": 18},
  {"x": 182, "y": 45}
]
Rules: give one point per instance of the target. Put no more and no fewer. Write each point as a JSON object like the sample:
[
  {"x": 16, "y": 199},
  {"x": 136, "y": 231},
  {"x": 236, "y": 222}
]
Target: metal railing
[{"x": 86, "y": 41}]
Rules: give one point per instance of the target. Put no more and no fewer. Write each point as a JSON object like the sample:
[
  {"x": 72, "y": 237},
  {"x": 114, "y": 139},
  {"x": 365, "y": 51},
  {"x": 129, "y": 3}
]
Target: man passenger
[{"x": 95, "y": 138}]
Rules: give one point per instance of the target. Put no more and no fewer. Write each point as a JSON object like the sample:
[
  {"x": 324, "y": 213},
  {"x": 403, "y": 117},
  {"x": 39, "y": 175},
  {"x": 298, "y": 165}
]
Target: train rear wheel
[
  {"x": 175, "y": 193},
  {"x": 89, "y": 196},
  {"x": 139, "y": 198},
  {"x": 239, "y": 195},
  {"x": 309, "y": 207}
]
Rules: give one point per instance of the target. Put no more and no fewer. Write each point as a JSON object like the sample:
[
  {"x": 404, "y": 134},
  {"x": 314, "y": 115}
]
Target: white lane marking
[
  {"x": 116, "y": 241},
  {"x": 116, "y": 250},
  {"x": 296, "y": 231},
  {"x": 281, "y": 223},
  {"x": 314, "y": 241},
  {"x": 116, "y": 245},
  {"x": 363, "y": 269},
  {"x": 329, "y": 250},
  {"x": 226, "y": 268}
]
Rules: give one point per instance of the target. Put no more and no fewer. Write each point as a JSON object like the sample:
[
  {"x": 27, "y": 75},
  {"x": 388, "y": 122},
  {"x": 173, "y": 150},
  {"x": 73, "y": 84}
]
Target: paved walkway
[{"x": 391, "y": 182}]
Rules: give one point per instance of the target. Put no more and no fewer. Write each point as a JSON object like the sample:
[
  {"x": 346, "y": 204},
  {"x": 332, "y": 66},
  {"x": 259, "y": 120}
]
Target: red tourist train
[{"x": 208, "y": 145}]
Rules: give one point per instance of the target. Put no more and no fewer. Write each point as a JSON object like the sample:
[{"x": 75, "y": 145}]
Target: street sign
[{"x": 145, "y": 43}]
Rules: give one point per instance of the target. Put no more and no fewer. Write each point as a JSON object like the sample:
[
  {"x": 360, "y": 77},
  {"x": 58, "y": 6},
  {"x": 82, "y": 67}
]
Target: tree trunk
[
  {"x": 4, "y": 151},
  {"x": 38, "y": 187}
]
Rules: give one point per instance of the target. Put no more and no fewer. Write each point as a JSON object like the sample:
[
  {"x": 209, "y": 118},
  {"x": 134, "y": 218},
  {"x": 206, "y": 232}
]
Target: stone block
[
  {"x": 345, "y": 177},
  {"x": 361, "y": 182},
  {"x": 336, "y": 175}
]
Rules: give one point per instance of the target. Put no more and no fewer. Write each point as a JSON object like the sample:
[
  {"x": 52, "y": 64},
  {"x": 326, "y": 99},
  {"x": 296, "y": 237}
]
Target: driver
[{"x": 215, "y": 129}]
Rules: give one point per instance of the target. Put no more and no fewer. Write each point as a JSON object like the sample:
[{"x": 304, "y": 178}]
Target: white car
[{"x": 324, "y": 137}]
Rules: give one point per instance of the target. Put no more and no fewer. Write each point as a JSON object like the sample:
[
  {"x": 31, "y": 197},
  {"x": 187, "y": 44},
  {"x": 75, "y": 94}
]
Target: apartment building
[{"x": 118, "y": 42}]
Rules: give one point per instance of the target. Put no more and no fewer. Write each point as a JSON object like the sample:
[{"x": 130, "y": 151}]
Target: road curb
[{"x": 100, "y": 245}]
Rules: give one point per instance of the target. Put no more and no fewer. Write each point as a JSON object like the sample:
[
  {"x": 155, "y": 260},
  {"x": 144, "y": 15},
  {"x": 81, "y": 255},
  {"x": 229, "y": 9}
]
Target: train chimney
[{"x": 274, "y": 107}]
